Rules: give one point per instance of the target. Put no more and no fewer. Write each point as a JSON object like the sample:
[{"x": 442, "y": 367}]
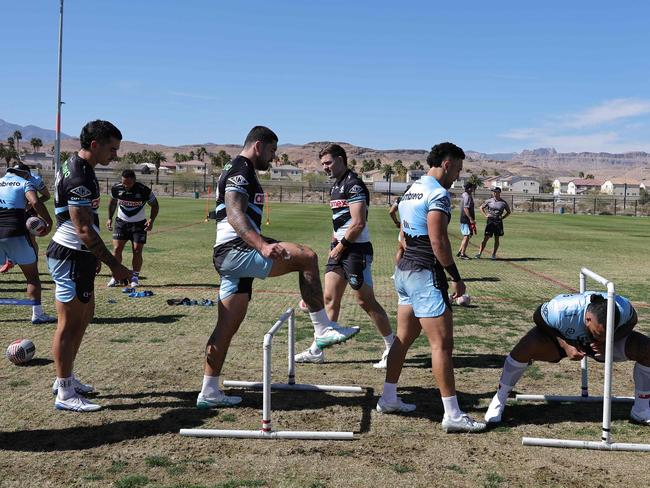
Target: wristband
[
  {"x": 344, "y": 242},
  {"x": 453, "y": 272}
]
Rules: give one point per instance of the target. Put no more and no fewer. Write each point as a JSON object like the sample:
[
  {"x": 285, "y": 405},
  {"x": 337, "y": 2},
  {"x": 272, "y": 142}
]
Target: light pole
[{"x": 57, "y": 143}]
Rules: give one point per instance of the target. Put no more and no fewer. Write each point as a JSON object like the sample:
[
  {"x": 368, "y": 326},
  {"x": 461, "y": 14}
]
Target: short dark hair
[
  {"x": 443, "y": 151},
  {"x": 469, "y": 185},
  {"x": 335, "y": 151},
  {"x": 262, "y": 134},
  {"x": 598, "y": 307},
  {"x": 20, "y": 167},
  {"x": 98, "y": 130},
  {"x": 128, "y": 173}
]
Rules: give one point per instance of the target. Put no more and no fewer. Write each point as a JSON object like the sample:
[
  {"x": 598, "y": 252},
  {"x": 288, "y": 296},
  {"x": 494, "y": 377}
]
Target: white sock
[
  {"x": 37, "y": 310},
  {"x": 641, "y": 376},
  {"x": 210, "y": 388},
  {"x": 388, "y": 340},
  {"x": 390, "y": 392},
  {"x": 65, "y": 388},
  {"x": 320, "y": 320},
  {"x": 314, "y": 349},
  {"x": 452, "y": 410},
  {"x": 512, "y": 372}
]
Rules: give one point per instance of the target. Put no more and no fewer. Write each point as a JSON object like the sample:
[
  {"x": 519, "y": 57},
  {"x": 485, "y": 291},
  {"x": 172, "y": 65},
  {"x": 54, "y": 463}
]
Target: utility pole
[{"x": 57, "y": 143}]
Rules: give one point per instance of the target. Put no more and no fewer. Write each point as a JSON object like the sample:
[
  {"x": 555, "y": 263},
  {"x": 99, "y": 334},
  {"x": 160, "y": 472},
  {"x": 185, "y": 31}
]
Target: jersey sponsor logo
[
  {"x": 356, "y": 189},
  {"x": 10, "y": 183},
  {"x": 81, "y": 192},
  {"x": 446, "y": 202},
  {"x": 130, "y": 203},
  {"x": 259, "y": 199},
  {"x": 413, "y": 196},
  {"x": 238, "y": 180},
  {"x": 227, "y": 167},
  {"x": 338, "y": 203}
]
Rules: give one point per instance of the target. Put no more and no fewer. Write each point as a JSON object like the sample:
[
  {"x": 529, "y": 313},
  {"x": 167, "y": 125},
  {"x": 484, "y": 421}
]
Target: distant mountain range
[{"x": 7, "y": 129}]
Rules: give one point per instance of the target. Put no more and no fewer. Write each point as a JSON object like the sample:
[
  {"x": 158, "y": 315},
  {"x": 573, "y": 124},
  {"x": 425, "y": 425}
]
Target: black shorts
[
  {"x": 355, "y": 263},
  {"x": 130, "y": 231},
  {"x": 494, "y": 227}
]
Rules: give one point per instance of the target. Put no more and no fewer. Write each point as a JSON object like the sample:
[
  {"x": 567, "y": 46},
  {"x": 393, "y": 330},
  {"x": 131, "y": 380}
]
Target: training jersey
[
  {"x": 239, "y": 175},
  {"x": 566, "y": 314},
  {"x": 12, "y": 204},
  {"x": 495, "y": 208},
  {"x": 467, "y": 201},
  {"x": 424, "y": 196},
  {"x": 130, "y": 203},
  {"x": 348, "y": 190},
  {"x": 76, "y": 186}
]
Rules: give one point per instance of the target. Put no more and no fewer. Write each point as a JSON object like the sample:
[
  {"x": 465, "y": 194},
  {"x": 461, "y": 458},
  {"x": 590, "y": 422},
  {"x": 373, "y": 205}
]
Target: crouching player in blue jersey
[
  {"x": 241, "y": 254},
  {"x": 422, "y": 289},
  {"x": 573, "y": 326}
]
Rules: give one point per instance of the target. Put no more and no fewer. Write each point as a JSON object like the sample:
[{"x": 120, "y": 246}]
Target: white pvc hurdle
[
  {"x": 267, "y": 432},
  {"x": 605, "y": 444}
]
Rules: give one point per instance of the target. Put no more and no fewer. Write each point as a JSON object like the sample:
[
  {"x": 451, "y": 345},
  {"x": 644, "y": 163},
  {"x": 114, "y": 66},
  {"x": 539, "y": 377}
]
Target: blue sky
[{"x": 489, "y": 76}]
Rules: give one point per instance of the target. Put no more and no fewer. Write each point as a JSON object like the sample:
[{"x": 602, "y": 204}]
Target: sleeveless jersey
[
  {"x": 238, "y": 175},
  {"x": 12, "y": 204},
  {"x": 424, "y": 196},
  {"x": 76, "y": 186},
  {"x": 566, "y": 314},
  {"x": 349, "y": 190},
  {"x": 130, "y": 203}
]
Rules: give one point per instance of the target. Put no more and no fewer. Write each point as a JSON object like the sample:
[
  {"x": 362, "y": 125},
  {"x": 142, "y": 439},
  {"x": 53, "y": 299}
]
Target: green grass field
[{"x": 145, "y": 358}]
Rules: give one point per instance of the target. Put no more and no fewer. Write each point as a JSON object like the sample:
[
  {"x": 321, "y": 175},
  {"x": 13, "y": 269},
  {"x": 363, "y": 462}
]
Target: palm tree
[
  {"x": 415, "y": 165},
  {"x": 200, "y": 153},
  {"x": 156, "y": 157},
  {"x": 36, "y": 143},
  {"x": 17, "y": 137},
  {"x": 8, "y": 152}
]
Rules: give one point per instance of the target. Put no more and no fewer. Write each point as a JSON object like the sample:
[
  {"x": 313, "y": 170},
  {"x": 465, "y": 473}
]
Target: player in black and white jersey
[
  {"x": 422, "y": 289},
  {"x": 75, "y": 254},
  {"x": 241, "y": 253},
  {"x": 350, "y": 258},
  {"x": 129, "y": 198}
]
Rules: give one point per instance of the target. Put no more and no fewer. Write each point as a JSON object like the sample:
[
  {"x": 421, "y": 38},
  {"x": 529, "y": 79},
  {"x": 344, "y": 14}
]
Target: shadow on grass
[
  {"x": 517, "y": 260},
  {"x": 92, "y": 436},
  {"x": 156, "y": 319},
  {"x": 185, "y": 285},
  {"x": 486, "y": 279},
  {"x": 36, "y": 362}
]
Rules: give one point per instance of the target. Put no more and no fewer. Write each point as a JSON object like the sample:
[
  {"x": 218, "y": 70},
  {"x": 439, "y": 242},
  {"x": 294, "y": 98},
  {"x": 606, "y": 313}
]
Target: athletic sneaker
[
  {"x": 43, "y": 319},
  {"x": 464, "y": 257},
  {"x": 134, "y": 281},
  {"x": 7, "y": 266},
  {"x": 222, "y": 400},
  {"x": 308, "y": 357},
  {"x": 642, "y": 417},
  {"x": 76, "y": 403},
  {"x": 383, "y": 361},
  {"x": 464, "y": 424},
  {"x": 112, "y": 283},
  {"x": 79, "y": 387},
  {"x": 395, "y": 407},
  {"x": 335, "y": 335},
  {"x": 495, "y": 411},
  {"x": 494, "y": 257},
  {"x": 477, "y": 256},
  {"x": 458, "y": 254}
]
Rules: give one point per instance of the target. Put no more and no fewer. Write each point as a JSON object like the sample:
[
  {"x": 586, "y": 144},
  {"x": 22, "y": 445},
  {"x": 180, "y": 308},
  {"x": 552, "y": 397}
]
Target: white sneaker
[
  {"x": 135, "y": 281},
  {"x": 395, "y": 407},
  {"x": 308, "y": 357},
  {"x": 112, "y": 283},
  {"x": 221, "y": 400},
  {"x": 464, "y": 424},
  {"x": 495, "y": 411},
  {"x": 79, "y": 387},
  {"x": 477, "y": 255},
  {"x": 383, "y": 361},
  {"x": 76, "y": 403},
  {"x": 642, "y": 417},
  {"x": 43, "y": 319},
  {"x": 335, "y": 335}
]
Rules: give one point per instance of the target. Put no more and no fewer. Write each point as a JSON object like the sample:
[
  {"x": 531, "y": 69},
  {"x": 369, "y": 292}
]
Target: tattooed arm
[
  {"x": 236, "y": 204},
  {"x": 82, "y": 218}
]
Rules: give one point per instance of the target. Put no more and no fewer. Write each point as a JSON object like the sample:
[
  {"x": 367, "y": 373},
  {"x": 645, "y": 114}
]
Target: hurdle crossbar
[
  {"x": 267, "y": 432},
  {"x": 605, "y": 444}
]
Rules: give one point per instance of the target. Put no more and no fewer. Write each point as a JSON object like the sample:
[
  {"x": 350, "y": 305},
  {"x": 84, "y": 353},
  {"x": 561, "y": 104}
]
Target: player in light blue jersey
[
  {"x": 422, "y": 289},
  {"x": 573, "y": 326}
]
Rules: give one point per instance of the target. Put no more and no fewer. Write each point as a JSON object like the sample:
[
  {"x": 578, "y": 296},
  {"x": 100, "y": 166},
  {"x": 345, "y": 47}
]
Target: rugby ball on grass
[
  {"x": 36, "y": 226},
  {"x": 21, "y": 351}
]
